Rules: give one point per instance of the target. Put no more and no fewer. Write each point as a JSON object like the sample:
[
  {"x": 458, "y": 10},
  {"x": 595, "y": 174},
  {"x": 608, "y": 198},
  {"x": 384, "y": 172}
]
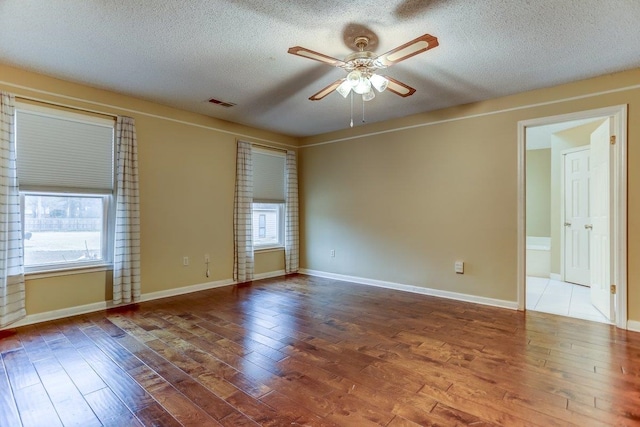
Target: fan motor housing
[{"x": 359, "y": 55}]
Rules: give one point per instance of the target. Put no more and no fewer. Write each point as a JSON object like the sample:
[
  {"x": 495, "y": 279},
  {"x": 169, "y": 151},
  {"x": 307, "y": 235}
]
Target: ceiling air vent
[{"x": 221, "y": 103}]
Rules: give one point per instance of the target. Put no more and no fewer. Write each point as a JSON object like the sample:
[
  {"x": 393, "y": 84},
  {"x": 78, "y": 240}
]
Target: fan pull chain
[
  {"x": 351, "y": 109},
  {"x": 363, "y": 109}
]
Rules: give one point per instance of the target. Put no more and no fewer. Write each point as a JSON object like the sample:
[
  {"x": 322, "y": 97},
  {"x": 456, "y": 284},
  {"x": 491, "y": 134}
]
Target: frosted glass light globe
[
  {"x": 368, "y": 96},
  {"x": 379, "y": 82},
  {"x": 354, "y": 78},
  {"x": 363, "y": 86}
]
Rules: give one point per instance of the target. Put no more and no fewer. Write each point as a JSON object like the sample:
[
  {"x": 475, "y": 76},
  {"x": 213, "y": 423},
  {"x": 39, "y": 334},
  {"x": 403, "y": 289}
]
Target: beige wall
[
  {"x": 403, "y": 205},
  {"x": 539, "y": 192},
  {"x": 187, "y": 179},
  {"x": 579, "y": 136}
]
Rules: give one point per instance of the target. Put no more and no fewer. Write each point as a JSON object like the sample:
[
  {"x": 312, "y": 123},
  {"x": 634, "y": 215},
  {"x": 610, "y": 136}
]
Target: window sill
[
  {"x": 66, "y": 271},
  {"x": 268, "y": 249}
]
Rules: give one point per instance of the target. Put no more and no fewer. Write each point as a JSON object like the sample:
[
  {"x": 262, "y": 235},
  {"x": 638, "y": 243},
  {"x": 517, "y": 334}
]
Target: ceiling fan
[{"x": 362, "y": 65}]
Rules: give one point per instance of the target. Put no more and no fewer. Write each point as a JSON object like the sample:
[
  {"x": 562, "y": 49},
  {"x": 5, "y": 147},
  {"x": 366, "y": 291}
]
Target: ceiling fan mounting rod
[
  {"x": 361, "y": 59},
  {"x": 362, "y": 42}
]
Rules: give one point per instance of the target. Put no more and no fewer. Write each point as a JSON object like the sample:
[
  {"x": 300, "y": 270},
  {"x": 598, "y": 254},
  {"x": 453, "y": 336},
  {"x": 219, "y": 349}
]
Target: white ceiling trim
[
  {"x": 473, "y": 116},
  {"x": 333, "y": 141},
  {"x": 128, "y": 110}
]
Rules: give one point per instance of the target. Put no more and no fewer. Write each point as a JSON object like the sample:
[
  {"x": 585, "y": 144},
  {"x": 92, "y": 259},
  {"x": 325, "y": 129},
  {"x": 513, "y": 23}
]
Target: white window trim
[
  {"x": 50, "y": 111},
  {"x": 269, "y": 249},
  {"x": 108, "y": 228},
  {"x": 44, "y": 273},
  {"x": 281, "y": 206},
  {"x": 281, "y": 212},
  {"x": 51, "y": 270}
]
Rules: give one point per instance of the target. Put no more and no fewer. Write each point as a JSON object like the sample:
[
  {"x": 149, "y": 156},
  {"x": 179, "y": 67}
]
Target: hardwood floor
[{"x": 317, "y": 352}]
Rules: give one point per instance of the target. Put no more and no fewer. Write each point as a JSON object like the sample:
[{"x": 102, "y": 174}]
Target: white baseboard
[
  {"x": 555, "y": 276},
  {"x": 103, "y": 305},
  {"x": 513, "y": 305},
  {"x": 59, "y": 314},
  {"x": 633, "y": 325},
  {"x": 185, "y": 290}
]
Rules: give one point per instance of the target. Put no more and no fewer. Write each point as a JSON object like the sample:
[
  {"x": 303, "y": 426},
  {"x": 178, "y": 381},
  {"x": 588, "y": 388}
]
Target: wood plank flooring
[{"x": 316, "y": 352}]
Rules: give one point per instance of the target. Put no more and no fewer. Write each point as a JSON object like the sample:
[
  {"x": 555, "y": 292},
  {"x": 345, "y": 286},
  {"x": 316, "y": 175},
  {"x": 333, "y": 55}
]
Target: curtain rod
[
  {"x": 270, "y": 147},
  {"x": 70, "y": 107}
]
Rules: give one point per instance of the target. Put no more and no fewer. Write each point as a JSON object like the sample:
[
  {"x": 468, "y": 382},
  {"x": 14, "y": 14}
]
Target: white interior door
[
  {"x": 576, "y": 211},
  {"x": 600, "y": 226}
]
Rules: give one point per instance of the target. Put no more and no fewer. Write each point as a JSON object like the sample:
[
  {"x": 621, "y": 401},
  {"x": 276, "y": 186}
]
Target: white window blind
[
  {"x": 60, "y": 153},
  {"x": 268, "y": 176}
]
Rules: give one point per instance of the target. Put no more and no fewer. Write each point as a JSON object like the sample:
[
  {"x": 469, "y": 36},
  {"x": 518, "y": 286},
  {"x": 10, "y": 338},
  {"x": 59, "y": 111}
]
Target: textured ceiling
[{"x": 181, "y": 53}]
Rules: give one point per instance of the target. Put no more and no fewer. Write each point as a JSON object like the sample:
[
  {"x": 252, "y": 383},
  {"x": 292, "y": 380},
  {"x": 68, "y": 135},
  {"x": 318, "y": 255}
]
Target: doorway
[{"x": 572, "y": 210}]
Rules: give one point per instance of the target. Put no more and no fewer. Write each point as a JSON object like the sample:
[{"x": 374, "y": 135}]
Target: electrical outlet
[
  {"x": 459, "y": 267},
  {"x": 185, "y": 261},
  {"x": 333, "y": 253}
]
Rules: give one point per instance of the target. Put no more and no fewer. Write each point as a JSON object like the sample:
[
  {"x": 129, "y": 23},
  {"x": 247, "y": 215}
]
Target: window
[
  {"x": 268, "y": 198},
  {"x": 63, "y": 228},
  {"x": 262, "y": 225},
  {"x": 65, "y": 173},
  {"x": 266, "y": 224}
]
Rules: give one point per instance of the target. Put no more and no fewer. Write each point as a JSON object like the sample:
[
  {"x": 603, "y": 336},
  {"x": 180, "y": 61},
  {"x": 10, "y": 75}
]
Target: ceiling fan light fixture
[
  {"x": 363, "y": 86},
  {"x": 368, "y": 96},
  {"x": 361, "y": 66},
  {"x": 354, "y": 78},
  {"x": 344, "y": 88},
  {"x": 379, "y": 82}
]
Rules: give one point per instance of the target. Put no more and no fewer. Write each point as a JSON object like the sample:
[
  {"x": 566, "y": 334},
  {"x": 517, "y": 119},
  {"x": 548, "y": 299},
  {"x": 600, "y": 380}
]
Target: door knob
[
  {"x": 567, "y": 224},
  {"x": 588, "y": 226}
]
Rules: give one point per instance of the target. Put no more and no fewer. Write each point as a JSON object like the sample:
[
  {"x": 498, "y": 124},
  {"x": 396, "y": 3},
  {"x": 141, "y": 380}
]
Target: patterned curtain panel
[
  {"x": 242, "y": 215},
  {"x": 126, "y": 262},
  {"x": 291, "y": 229},
  {"x": 12, "y": 305}
]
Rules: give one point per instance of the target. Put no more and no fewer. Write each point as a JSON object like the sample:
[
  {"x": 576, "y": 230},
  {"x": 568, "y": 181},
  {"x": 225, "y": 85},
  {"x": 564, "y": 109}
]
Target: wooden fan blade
[
  {"x": 326, "y": 91},
  {"x": 316, "y": 56},
  {"x": 399, "y": 88},
  {"x": 407, "y": 50}
]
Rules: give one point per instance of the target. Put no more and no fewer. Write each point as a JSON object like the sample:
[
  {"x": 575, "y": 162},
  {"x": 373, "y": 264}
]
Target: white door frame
[{"x": 619, "y": 201}]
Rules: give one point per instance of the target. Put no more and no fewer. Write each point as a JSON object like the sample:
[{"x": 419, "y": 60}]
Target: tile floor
[{"x": 566, "y": 299}]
